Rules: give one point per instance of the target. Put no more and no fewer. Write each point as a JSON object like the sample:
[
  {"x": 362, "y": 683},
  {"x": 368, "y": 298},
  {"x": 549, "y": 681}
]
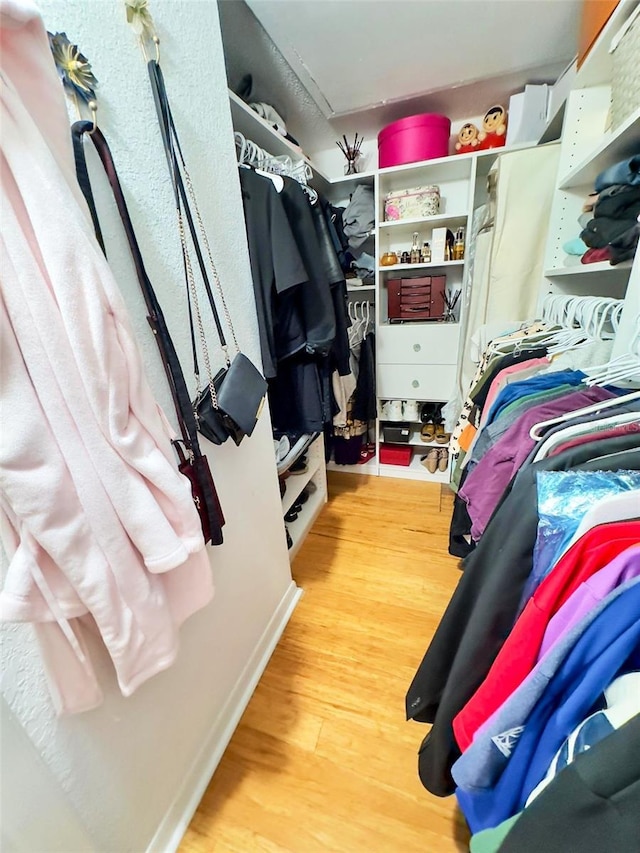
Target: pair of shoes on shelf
[
  {"x": 301, "y": 500},
  {"x": 433, "y": 424},
  {"x": 437, "y": 459},
  {"x": 367, "y": 452},
  {"x": 400, "y": 410},
  {"x": 297, "y": 444}
]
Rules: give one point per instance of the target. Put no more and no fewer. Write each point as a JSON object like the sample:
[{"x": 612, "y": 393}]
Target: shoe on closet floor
[
  {"x": 289, "y": 539},
  {"x": 431, "y": 460},
  {"x": 411, "y": 411}
]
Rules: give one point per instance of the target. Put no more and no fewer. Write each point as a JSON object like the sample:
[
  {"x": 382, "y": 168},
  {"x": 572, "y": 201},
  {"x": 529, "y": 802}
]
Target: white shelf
[
  {"x": 617, "y": 145},
  {"x": 414, "y": 471},
  {"x": 403, "y": 267},
  {"x": 357, "y": 288},
  {"x": 360, "y": 177},
  {"x": 425, "y": 220},
  {"x": 299, "y": 528},
  {"x": 370, "y": 467},
  {"x": 454, "y": 166},
  {"x": 296, "y": 483},
  {"x": 601, "y": 268},
  {"x": 414, "y": 441},
  {"x": 254, "y": 127}
]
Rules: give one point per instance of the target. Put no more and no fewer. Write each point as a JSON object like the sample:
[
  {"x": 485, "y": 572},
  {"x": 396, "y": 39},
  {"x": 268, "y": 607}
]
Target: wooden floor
[{"x": 323, "y": 759}]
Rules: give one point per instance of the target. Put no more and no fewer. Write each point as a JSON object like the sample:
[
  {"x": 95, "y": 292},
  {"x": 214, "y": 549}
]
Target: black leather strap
[
  {"x": 156, "y": 319},
  {"x": 175, "y": 159},
  {"x": 82, "y": 174}
]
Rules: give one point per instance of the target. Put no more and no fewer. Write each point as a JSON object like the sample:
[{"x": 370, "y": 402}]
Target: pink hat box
[{"x": 415, "y": 138}]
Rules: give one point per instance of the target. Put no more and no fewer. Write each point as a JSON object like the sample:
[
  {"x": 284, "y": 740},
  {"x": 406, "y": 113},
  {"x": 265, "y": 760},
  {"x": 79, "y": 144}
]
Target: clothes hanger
[
  {"x": 624, "y": 367},
  {"x": 550, "y": 442},
  {"x": 587, "y": 410}
]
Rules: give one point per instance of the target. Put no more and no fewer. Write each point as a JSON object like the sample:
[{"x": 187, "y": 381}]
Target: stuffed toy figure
[
  {"x": 494, "y": 128},
  {"x": 467, "y": 139}
]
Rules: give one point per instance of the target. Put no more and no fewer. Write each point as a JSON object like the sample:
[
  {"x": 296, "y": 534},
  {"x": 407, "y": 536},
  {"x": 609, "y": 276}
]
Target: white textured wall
[{"x": 121, "y": 766}]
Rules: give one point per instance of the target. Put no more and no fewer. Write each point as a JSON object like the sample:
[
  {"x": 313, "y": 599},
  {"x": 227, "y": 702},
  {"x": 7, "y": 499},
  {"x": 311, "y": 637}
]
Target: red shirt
[{"x": 518, "y": 655}]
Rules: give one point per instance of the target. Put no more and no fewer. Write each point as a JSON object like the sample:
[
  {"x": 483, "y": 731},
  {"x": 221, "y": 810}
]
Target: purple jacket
[{"x": 491, "y": 476}]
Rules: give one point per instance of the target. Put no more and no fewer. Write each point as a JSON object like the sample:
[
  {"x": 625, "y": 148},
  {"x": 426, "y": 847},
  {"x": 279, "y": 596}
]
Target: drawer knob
[
  {"x": 415, "y": 383},
  {"x": 417, "y": 347}
]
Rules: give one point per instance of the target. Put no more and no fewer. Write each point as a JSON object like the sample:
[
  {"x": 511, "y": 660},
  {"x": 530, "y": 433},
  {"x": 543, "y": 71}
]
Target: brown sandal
[
  {"x": 428, "y": 432},
  {"x": 441, "y": 437}
]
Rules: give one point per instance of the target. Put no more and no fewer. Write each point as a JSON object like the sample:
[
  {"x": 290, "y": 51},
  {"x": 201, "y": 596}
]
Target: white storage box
[
  {"x": 413, "y": 203},
  {"x": 625, "y": 78}
]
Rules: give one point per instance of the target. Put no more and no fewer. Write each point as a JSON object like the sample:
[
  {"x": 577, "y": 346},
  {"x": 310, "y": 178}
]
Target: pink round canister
[{"x": 408, "y": 140}]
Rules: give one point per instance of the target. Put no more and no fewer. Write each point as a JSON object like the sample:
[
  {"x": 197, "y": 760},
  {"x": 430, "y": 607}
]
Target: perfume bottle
[
  {"x": 415, "y": 249},
  {"x": 425, "y": 255},
  {"x": 448, "y": 246},
  {"x": 458, "y": 246}
]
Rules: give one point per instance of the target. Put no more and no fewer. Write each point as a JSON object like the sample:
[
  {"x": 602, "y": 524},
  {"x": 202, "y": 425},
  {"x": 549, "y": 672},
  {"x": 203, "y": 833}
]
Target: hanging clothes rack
[{"x": 250, "y": 154}]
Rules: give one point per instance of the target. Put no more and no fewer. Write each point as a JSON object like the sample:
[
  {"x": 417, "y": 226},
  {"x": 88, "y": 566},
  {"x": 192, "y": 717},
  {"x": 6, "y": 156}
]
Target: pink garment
[
  {"x": 514, "y": 373},
  {"x": 99, "y": 525}
]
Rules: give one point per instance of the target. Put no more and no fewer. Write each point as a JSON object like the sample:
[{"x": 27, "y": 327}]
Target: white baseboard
[{"x": 169, "y": 834}]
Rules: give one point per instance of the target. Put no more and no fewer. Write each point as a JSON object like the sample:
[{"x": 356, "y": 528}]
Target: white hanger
[
  {"x": 625, "y": 367},
  {"x": 277, "y": 180},
  {"x": 587, "y": 410}
]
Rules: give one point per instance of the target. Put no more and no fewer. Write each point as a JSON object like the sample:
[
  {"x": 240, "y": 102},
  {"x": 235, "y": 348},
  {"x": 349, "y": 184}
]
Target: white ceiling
[{"x": 356, "y": 55}]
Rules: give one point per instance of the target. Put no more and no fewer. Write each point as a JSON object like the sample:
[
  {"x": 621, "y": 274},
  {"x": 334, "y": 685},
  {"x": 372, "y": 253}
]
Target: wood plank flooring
[{"x": 323, "y": 759}]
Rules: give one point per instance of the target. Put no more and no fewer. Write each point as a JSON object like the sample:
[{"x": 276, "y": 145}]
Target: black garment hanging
[
  {"x": 276, "y": 269},
  {"x": 364, "y": 404},
  {"x": 318, "y": 316}
]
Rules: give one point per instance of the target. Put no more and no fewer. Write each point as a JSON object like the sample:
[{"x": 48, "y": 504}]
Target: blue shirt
[
  {"x": 516, "y": 390},
  {"x": 610, "y": 645}
]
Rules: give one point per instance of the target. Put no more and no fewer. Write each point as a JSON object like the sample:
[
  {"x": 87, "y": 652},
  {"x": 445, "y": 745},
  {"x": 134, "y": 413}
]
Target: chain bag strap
[
  {"x": 232, "y": 401},
  {"x": 193, "y": 464}
]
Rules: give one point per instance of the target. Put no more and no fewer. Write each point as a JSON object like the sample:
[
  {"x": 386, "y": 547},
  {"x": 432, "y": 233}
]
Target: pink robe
[{"x": 99, "y": 525}]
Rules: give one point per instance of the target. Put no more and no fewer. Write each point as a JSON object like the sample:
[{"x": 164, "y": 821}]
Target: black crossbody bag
[
  {"x": 231, "y": 402},
  {"x": 192, "y": 462}
]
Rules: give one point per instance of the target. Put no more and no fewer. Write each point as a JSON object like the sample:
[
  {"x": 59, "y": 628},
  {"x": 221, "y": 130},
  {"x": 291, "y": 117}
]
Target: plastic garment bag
[{"x": 564, "y": 498}]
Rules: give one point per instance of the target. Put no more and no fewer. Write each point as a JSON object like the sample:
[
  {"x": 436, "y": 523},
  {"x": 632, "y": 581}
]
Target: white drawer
[
  {"x": 415, "y": 382},
  {"x": 424, "y": 343}
]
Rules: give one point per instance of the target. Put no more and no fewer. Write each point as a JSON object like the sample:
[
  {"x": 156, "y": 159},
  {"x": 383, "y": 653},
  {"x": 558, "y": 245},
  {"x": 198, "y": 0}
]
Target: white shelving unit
[
  {"x": 252, "y": 126},
  {"x": 616, "y": 145},
  {"x": 295, "y": 485},
  {"x": 299, "y": 528},
  {"x": 587, "y": 148},
  {"x": 414, "y": 471},
  {"x": 417, "y": 360}
]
